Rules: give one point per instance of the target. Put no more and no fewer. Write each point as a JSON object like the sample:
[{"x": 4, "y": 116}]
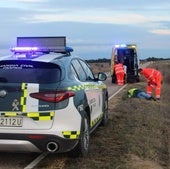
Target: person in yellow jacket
[
  {"x": 139, "y": 93},
  {"x": 154, "y": 80},
  {"x": 120, "y": 73}
]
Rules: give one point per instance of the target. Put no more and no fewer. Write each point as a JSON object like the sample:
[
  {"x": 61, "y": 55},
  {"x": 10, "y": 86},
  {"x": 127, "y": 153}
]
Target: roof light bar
[
  {"x": 126, "y": 46},
  {"x": 24, "y": 49},
  {"x": 41, "y": 44},
  {"x": 36, "y": 49},
  {"x": 133, "y": 46},
  {"x": 121, "y": 46}
]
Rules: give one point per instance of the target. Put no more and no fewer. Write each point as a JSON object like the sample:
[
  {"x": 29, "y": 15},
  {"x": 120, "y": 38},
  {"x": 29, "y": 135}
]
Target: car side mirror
[{"x": 101, "y": 76}]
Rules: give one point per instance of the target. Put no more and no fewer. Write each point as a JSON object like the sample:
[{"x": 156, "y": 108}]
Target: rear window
[{"x": 29, "y": 72}]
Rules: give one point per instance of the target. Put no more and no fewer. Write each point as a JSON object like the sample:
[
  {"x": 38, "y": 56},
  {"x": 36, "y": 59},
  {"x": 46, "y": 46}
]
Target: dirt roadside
[{"x": 137, "y": 135}]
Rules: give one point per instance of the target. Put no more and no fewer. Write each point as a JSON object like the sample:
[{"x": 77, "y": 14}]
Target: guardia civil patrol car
[{"x": 49, "y": 100}]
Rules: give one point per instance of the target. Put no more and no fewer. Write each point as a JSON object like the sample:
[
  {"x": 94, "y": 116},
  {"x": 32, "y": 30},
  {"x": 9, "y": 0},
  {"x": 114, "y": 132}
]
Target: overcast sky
[{"x": 92, "y": 27}]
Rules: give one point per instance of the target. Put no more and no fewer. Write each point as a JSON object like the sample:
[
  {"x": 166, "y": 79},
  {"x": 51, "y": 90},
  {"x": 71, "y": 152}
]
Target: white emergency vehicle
[{"x": 49, "y": 100}]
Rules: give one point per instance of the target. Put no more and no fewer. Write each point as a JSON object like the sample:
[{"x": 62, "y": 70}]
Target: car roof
[{"x": 34, "y": 57}]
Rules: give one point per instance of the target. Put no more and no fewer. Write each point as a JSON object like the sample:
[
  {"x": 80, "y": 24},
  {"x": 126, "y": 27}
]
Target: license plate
[{"x": 11, "y": 121}]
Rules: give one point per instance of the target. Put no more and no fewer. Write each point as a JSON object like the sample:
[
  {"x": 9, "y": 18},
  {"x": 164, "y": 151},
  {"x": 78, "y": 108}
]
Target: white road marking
[
  {"x": 36, "y": 161},
  {"x": 117, "y": 91}
]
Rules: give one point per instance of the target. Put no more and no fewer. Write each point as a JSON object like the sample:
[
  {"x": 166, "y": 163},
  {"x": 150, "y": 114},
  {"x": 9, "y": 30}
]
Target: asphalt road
[{"x": 113, "y": 88}]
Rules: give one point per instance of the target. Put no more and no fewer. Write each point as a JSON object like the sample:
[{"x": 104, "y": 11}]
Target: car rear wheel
[{"x": 82, "y": 147}]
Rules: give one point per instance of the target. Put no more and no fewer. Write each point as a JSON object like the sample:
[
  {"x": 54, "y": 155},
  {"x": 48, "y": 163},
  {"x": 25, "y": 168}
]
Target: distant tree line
[
  {"x": 104, "y": 60},
  {"x": 156, "y": 59}
]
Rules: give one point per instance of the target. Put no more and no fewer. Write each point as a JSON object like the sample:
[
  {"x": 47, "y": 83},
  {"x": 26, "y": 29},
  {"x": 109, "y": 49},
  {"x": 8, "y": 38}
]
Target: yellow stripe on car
[
  {"x": 38, "y": 116},
  {"x": 13, "y": 114},
  {"x": 87, "y": 86},
  {"x": 23, "y": 97},
  {"x": 71, "y": 134},
  {"x": 102, "y": 86},
  {"x": 75, "y": 88},
  {"x": 96, "y": 120}
]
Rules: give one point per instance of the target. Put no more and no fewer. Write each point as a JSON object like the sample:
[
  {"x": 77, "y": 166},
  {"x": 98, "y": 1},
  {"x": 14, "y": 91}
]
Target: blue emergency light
[
  {"x": 121, "y": 46},
  {"x": 24, "y": 49},
  {"x": 125, "y": 46}
]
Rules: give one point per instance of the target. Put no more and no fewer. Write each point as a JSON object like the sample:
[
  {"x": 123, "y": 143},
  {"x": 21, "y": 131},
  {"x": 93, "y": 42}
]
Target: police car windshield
[{"x": 29, "y": 72}]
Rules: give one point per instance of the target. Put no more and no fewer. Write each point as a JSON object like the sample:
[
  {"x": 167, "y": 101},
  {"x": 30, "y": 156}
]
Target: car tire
[
  {"x": 113, "y": 78},
  {"x": 125, "y": 79},
  {"x": 105, "y": 113},
  {"x": 82, "y": 148},
  {"x": 137, "y": 79}
]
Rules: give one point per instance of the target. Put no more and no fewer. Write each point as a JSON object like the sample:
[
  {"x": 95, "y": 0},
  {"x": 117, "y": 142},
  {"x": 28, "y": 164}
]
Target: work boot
[{"x": 152, "y": 98}]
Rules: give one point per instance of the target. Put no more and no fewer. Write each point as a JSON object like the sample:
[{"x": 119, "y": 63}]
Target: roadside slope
[{"x": 137, "y": 135}]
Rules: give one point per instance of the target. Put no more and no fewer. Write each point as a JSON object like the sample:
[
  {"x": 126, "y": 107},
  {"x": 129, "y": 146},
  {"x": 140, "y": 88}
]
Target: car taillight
[
  {"x": 36, "y": 137},
  {"x": 56, "y": 96}
]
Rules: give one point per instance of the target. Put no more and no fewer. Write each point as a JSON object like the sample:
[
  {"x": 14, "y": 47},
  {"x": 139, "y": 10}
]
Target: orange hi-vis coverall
[
  {"x": 154, "y": 78},
  {"x": 120, "y": 73}
]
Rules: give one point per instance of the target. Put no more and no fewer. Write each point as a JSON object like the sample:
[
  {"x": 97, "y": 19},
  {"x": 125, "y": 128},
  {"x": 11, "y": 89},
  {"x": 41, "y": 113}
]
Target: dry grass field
[
  {"x": 136, "y": 137},
  {"x": 97, "y": 67}
]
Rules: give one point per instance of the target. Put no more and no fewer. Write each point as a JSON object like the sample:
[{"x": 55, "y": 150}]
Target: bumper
[{"x": 35, "y": 143}]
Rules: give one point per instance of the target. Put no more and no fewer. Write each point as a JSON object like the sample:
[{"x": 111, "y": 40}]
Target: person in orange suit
[
  {"x": 154, "y": 80},
  {"x": 120, "y": 73}
]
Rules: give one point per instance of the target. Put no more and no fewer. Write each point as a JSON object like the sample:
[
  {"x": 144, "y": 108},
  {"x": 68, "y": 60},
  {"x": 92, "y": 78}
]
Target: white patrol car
[{"x": 49, "y": 100}]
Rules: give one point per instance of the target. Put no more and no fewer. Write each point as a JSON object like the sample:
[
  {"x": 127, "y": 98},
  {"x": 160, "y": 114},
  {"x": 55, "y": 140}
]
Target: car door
[{"x": 93, "y": 89}]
